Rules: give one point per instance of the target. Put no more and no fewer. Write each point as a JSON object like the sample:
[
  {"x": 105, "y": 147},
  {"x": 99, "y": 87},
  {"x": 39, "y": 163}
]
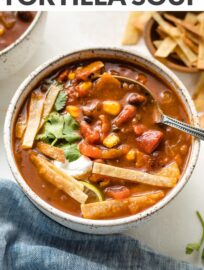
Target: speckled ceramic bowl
[
  {"x": 15, "y": 56},
  {"x": 77, "y": 223}
]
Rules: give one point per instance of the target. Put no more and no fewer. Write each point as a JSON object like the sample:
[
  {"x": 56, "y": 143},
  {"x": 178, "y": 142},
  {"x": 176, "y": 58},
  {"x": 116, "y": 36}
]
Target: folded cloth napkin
[{"x": 30, "y": 240}]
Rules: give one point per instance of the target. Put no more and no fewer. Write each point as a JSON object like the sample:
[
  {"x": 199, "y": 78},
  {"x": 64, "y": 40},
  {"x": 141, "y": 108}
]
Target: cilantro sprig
[
  {"x": 191, "y": 247},
  {"x": 61, "y": 130},
  {"x": 60, "y": 101}
]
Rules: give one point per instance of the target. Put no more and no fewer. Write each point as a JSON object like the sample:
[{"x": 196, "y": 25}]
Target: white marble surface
[{"x": 171, "y": 229}]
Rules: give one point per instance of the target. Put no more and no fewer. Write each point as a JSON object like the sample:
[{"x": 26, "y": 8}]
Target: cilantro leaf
[
  {"x": 45, "y": 137},
  {"x": 54, "y": 125},
  {"x": 72, "y": 137},
  {"x": 60, "y": 101},
  {"x": 71, "y": 152},
  {"x": 70, "y": 123},
  {"x": 190, "y": 248},
  {"x": 62, "y": 130}
]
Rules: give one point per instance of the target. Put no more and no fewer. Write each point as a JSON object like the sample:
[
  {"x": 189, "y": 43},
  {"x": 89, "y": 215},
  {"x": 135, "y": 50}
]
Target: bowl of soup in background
[
  {"x": 20, "y": 43},
  {"x": 158, "y": 72}
]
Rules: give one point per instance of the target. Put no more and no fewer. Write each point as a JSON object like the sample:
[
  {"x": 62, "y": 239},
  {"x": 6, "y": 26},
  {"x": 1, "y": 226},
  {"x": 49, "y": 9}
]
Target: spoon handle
[{"x": 194, "y": 131}]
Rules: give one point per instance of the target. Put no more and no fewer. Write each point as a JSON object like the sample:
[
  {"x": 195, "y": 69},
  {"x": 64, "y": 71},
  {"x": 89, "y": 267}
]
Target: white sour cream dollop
[{"x": 77, "y": 168}]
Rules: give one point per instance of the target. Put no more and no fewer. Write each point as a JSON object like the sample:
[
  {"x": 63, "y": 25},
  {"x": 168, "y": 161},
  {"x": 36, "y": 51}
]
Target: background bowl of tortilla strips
[{"x": 176, "y": 40}]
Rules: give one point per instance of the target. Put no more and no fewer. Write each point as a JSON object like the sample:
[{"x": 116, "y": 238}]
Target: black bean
[
  {"x": 136, "y": 99},
  {"x": 115, "y": 128},
  {"x": 26, "y": 16},
  {"x": 87, "y": 119}
]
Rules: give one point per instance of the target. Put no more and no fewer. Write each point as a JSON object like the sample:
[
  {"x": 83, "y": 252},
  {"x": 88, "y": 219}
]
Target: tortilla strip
[
  {"x": 191, "y": 18},
  {"x": 171, "y": 170},
  {"x": 166, "y": 48},
  {"x": 161, "y": 32},
  {"x": 34, "y": 118},
  {"x": 51, "y": 151},
  {"x": 199, "y": 94},
  {"x": 157, "y": 43},
  {"x": 201, "y": 46},
  {"x": 50, "y": 101},
  {"x": 192, "y": 57},
  {"x": 192, "y": 37},
  {"x": 21, "y": 125},
  {"x": 200, "y": 17},
  {"x": 133, "y": 175},
  {"x": 132, "y": 34},
  {"x": 142, "y": 20},
  {"x": 182, "y": 56},
  {"x": 190, "y": 44},
  {"x": 45, "y": 169},
  {"x": 187, "y": 26},
  {"x": 179, "y": 54},
  {"x": 64, "y": 174},
  {"x": 114, "y": 208},
  {"x": 168, "y": 28}
]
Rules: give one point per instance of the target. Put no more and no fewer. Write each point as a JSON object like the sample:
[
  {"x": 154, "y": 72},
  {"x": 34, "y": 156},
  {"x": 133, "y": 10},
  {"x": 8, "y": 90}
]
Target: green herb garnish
[
  {"x": 71, "y": 151},
  {"x": 63, "y": 131},
  {"x": 190, "y": 248},
  {"x": 60, "y": 101}
]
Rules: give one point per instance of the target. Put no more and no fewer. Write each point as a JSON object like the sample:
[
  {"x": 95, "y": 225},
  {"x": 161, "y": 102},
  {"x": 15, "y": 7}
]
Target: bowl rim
[
  {"x": 66, "y": 217},
  {"x": 149, "y": 43},
  {"x": 23, "y": 36}
]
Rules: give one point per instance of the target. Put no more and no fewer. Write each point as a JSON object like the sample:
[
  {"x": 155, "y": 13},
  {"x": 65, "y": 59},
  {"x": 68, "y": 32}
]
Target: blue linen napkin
[{"x": 31, "y": 241}]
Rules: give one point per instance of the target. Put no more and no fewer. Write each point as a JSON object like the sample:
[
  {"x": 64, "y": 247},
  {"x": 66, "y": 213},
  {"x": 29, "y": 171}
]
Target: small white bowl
[
  {"x": 17, "y": 54},
  {"x": 77, "y": 223}
]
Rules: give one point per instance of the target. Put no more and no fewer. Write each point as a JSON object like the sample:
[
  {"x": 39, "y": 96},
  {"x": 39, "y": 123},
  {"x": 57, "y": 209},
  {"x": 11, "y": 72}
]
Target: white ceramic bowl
[
  {"x": 16, "y": 55},
  {"x": 77, "y": 223}
]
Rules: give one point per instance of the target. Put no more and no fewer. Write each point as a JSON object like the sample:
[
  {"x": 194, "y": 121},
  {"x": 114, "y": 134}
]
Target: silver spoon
[{"x": 161, "y": 117}]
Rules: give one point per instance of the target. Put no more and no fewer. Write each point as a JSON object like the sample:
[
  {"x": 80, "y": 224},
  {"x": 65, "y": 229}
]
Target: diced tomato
[
  {"x": 94, "y": 177},
  {"x": 84, "y": 72},
  {"x": 105, "y": 126},
  {"x": 117, "y": 192},
  {"x": 72, "y": 94},
  {"x": 139, "y": 129},
  {"x": 89, "y": 150},
  {"x": 90, "y": 135},
  {"x": 127, "y": 114},
  {"x": 115, "y": 153},
  {"x": 84, "y": 88},
  {"x": 91, "y": 108},
  {"x": 63, "y": 77},
  {"x": 149, "y": 140}
]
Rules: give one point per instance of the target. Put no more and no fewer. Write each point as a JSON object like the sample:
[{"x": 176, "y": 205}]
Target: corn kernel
[
  {"x": 71, "y": 76},
  {"x": 2, "y": 30},
  {"x": 111, "y": 140},
  {"x": 73, "y": 110},
  {"x": 85, "y": 86},
  {"x": 111, "y": 107},
  {"x": 140, "y": 160},
  {"x": 131, "y": 155}
]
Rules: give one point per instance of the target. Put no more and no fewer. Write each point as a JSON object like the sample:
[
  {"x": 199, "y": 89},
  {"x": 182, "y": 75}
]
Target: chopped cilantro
[
  {"x": 60, "y": 101},
  {"x": 63, "y": 131},
  {"x": 190, "y": 248},
  {"x": 71, "y": 151}
]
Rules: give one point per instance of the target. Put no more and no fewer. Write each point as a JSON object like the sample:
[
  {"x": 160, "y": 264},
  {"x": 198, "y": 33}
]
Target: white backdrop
[
  {"x": 101, "y": 5},
  {"x": 171, "y": 229}
]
